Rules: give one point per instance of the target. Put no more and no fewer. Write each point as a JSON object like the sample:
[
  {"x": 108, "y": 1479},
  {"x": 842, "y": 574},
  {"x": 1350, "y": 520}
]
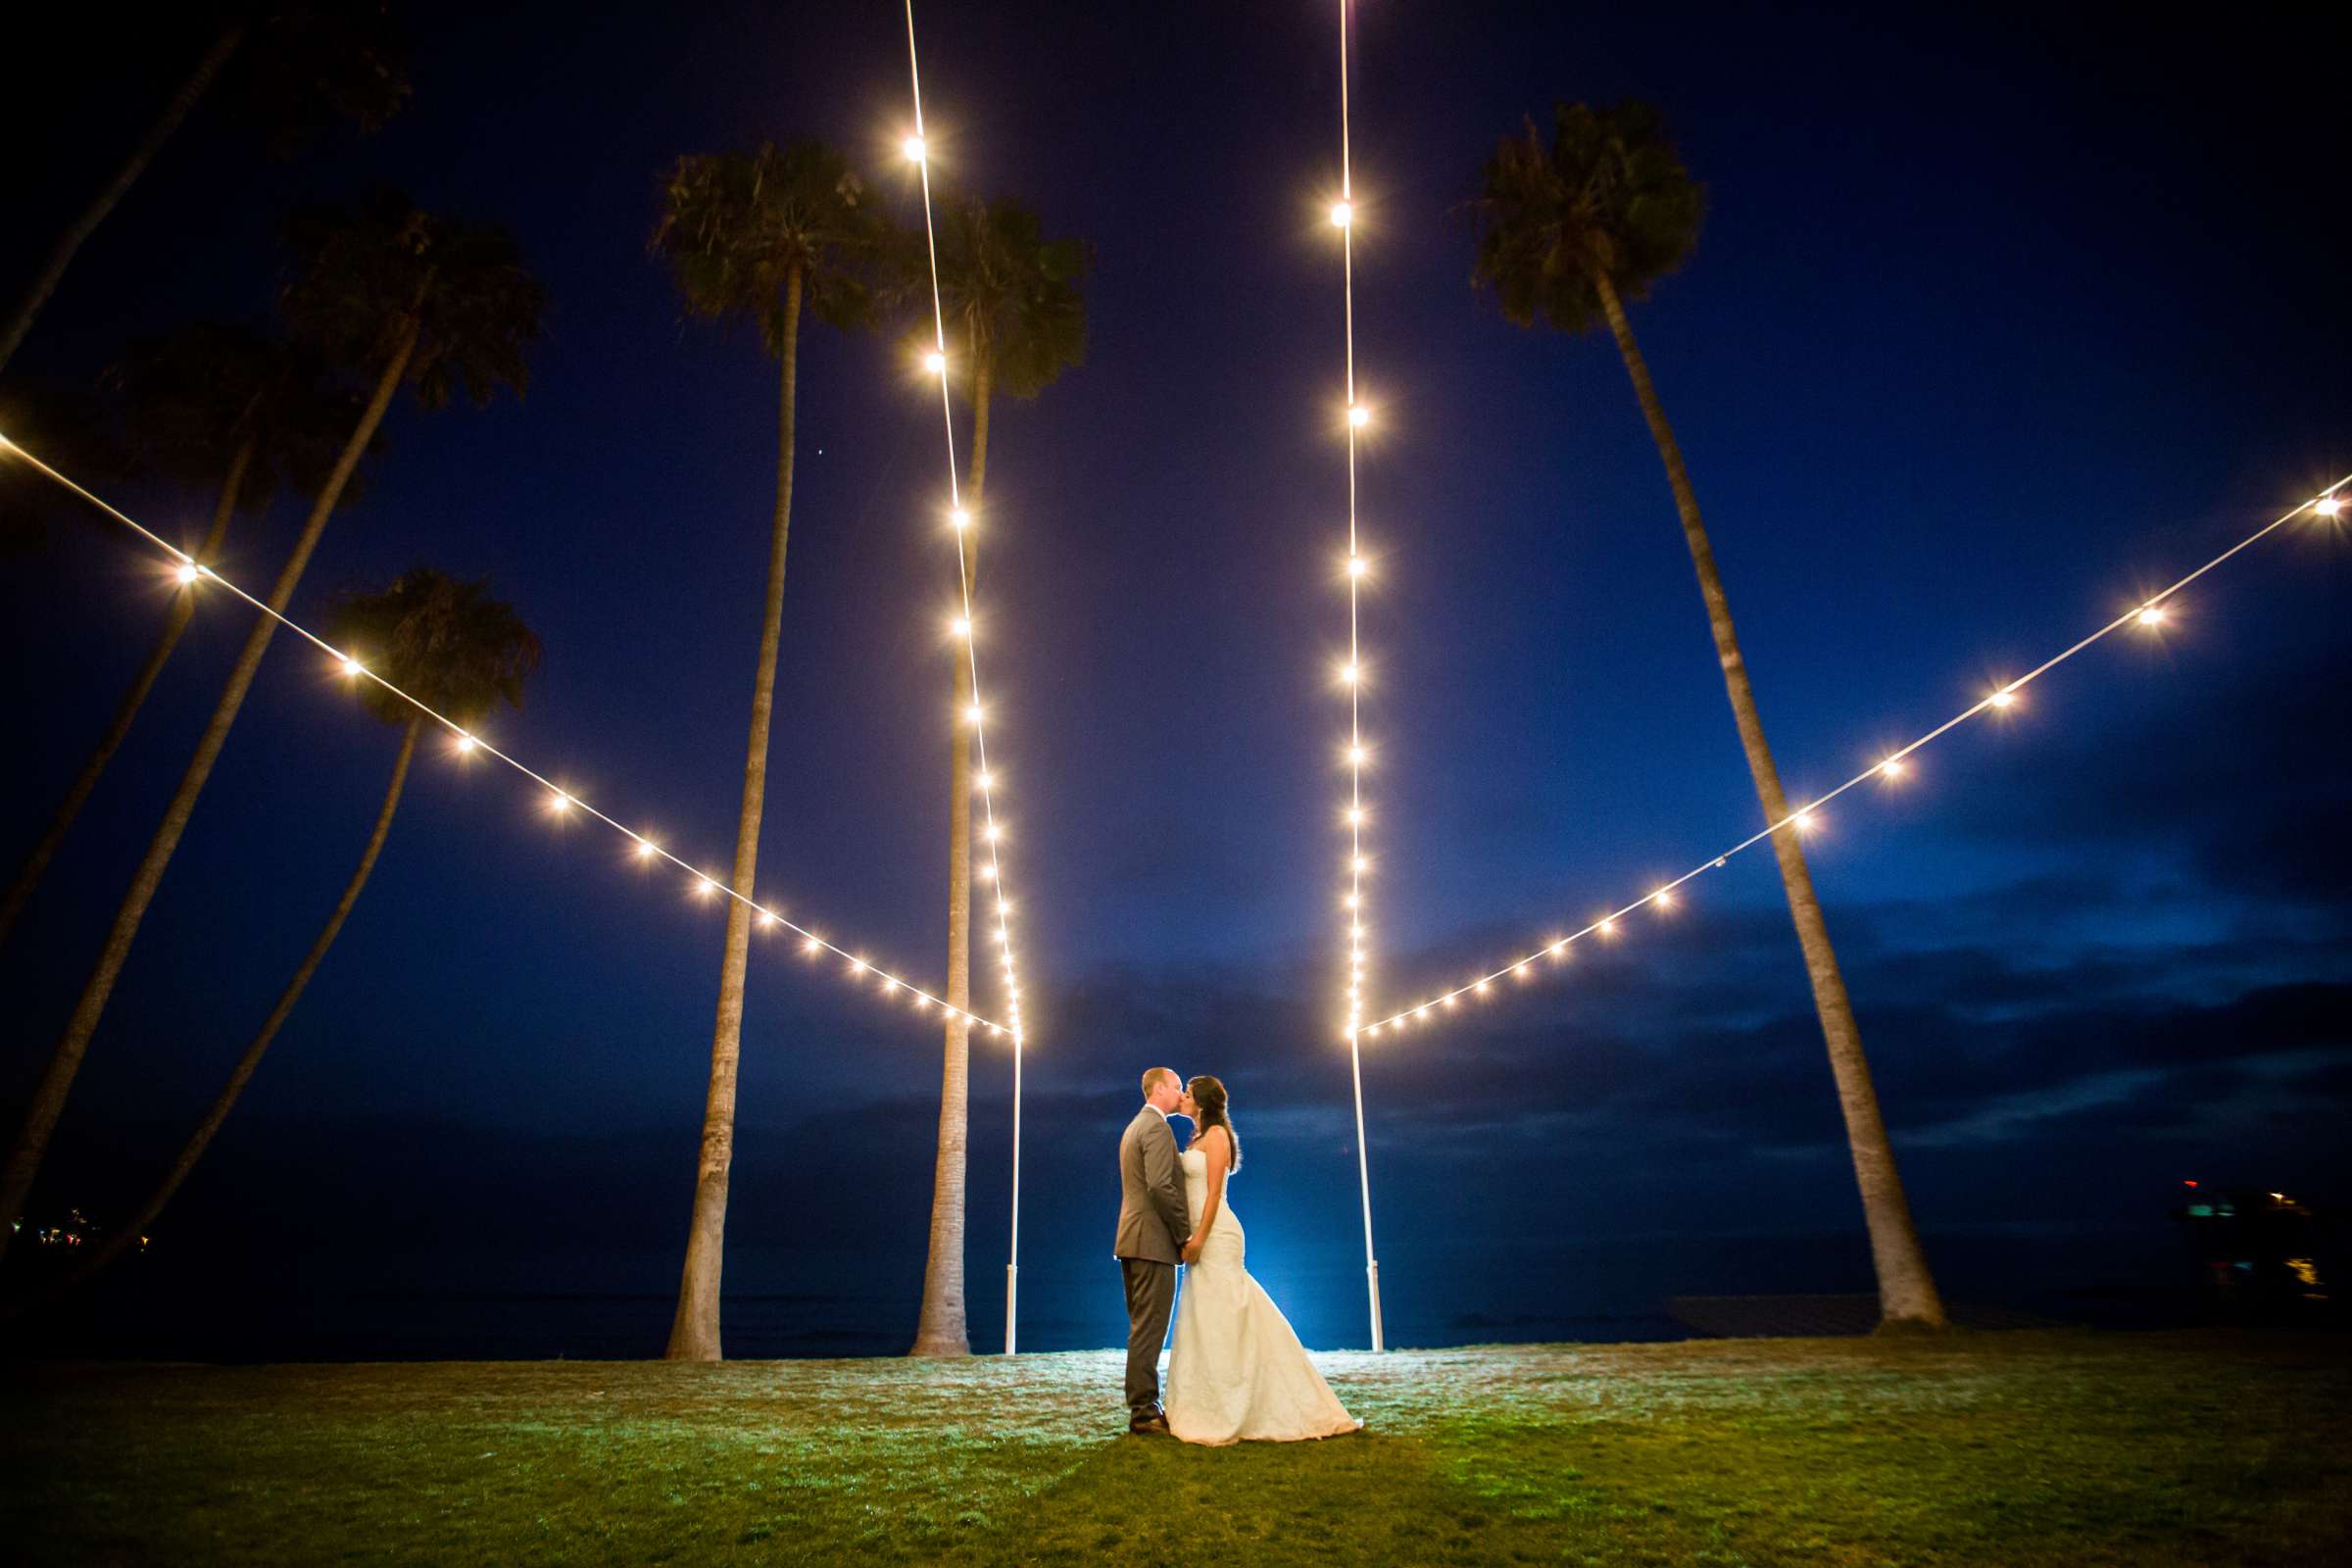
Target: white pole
[
  {"x": 1012, "y": 1268},
  {"x": 1363, "y": 1172}
]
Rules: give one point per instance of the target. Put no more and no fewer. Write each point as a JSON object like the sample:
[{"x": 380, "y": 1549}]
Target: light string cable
[
  {"x": 2149, "y": 615},
  {"x": 966, "y": 629},
  {"x": 188, "y": 571},
  {"x": 1342, "y": 217}
]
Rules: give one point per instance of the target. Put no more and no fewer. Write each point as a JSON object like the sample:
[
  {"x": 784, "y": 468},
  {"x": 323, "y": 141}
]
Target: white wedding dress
[{"x": 1237, "y": 1370}]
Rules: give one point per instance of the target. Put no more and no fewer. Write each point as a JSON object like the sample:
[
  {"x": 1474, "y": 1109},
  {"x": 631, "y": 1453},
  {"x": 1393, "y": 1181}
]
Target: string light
[
  {"x": 914, "y": 148},
  {"x": 561, "y": 801},
  {"x": 935, "y": 361},
  {"x": 983, "y": 777},
  {"x": 185, "y": 574},
  {"x": 1342, "y": 218},
  {"x": 353, "y": 668},
  {"x": 1807, "y": 817}
]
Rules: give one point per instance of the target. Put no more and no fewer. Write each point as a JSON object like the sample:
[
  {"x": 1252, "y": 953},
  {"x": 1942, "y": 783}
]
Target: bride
[{"x": 1237, "y": 1370}]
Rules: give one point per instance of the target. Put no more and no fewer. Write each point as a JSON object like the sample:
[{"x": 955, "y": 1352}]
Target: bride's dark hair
[{"x": 1208, "y": 1096}]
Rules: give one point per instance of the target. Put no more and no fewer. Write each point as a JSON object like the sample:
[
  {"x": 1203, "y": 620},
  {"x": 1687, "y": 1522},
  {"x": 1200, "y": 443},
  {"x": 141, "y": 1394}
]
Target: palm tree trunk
[
  {"x": 131, "y": 1230},
  {"x": 61, "y": 255},
  {"x": 940, "y": 1328},
  {"x": 28, "y": 875},
  {"x": 65, "y": 1060},
  {"x": 1907, "y": 1295},
  {"x": 694, "y": 1332}
]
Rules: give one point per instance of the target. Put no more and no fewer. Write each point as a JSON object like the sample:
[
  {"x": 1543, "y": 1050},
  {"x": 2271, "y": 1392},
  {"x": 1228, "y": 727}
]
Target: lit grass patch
[{"x": 2020, "y": 1448}]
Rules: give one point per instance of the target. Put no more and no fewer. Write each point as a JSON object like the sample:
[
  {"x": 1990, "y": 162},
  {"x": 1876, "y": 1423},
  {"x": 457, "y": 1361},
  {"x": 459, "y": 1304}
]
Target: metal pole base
[
  {"x": 1012, "y": 1296},
  {"x": 1372, "y": 1278}
]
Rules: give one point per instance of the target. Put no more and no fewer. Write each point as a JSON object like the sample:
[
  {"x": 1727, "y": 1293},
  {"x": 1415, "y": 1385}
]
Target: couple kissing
[{"x": 1237, "y": 1370}]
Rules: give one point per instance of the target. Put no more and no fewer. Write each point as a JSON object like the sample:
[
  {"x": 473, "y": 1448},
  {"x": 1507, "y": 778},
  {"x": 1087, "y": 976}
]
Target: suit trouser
[{"x": 1150, "y": 1297}]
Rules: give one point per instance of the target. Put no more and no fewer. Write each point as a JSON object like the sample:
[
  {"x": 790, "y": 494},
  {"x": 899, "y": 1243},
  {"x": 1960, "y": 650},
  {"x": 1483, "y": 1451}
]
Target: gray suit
[{"x": 1155, "y": 1223}]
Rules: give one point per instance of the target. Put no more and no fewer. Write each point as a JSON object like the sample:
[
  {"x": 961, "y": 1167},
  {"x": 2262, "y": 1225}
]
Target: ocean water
[{"x": 450, "y": 1304}]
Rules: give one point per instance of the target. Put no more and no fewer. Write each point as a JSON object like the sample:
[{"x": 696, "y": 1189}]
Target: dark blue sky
[{"x": 1997, "y": 322}]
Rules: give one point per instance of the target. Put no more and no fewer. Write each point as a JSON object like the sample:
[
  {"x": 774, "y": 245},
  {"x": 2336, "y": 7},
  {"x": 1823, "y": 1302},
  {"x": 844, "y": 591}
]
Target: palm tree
[
  {"x": 209, "y": 405},
  {"x": 408, "y": 299},
  {"x": 1566, "y": 233},
  {"x": 1015, "y": 318},
  {"x": 308, "y": 65},
  {"x": 762, "y": 235},
  {"x": 452, "y": 648}
]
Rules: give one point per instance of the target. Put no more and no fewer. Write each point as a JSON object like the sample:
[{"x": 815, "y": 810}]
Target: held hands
[{"x": 1192, "y": 1250}]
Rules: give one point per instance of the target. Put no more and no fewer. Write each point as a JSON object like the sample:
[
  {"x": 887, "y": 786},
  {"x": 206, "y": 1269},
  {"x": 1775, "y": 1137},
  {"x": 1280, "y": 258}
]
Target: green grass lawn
[{"x": 1988, "y": 1450}]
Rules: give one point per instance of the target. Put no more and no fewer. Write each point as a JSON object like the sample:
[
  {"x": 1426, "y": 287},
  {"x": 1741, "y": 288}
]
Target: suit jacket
[{"x": 1154, "y": 1219}]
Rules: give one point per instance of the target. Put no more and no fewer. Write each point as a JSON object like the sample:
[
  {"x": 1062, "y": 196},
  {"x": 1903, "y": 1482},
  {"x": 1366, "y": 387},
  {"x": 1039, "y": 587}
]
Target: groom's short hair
[{"x": 1153, "y": 1076}]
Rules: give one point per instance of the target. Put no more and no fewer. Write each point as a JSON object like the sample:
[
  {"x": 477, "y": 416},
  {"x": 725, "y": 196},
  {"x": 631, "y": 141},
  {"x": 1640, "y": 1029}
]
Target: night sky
[{"x": 1997, "y": 323}]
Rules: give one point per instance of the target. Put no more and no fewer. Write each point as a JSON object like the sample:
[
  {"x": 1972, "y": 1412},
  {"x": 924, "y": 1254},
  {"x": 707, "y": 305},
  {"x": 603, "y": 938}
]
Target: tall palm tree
[
  {"x": 1015, "y": 313},
  {"x": 308, "y": 64},
  {"x": 1566, "y": 234},
  {"x": 406, "y": 297},
  {"x": 208, "y": 404},
  {"x": 452, "y": 647},
  {"x": 762, "y": 235}
]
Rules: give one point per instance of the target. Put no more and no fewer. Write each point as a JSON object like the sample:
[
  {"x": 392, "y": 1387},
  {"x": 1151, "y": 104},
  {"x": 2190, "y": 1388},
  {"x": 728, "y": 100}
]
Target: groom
[{"x": 1155, "y": 1223}]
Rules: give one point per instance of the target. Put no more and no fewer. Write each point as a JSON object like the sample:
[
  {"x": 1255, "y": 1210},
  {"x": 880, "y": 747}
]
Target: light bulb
[
  {"x": 561, "y": 802},
  {"x": 913, "y": 147},
  {"x": 1892, "y": 768},
  {"x": 1802, "y": 821},
  {"x": 1358, "y": 567},
  {"x": 1342, "y": 214},
  {"x": 961, "y": 625},
  {"x": 186, "y": 572},
  {"x": 971, "y": 714},
  {"x": 935, "y": 361},
  {"x": 1608, "y": 928},
  {"x": 1358, "y": 416},
  {"x": 2151, "y": 615},
  {"x": 645, "y": 849},
  {"x": 1663, "y": 897},
  {"x": 465, "y": 743},
  {"x": 960, "y": 517},
  {"x": 2003, "y": 698},
  {"x": 1348, "y": 673},
  {"x": 352, "y": 667},
  {"x": 2328, "y": 505}
]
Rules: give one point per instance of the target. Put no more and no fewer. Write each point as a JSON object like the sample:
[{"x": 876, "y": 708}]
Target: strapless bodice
[{"x": 1225, "y": 1237}]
